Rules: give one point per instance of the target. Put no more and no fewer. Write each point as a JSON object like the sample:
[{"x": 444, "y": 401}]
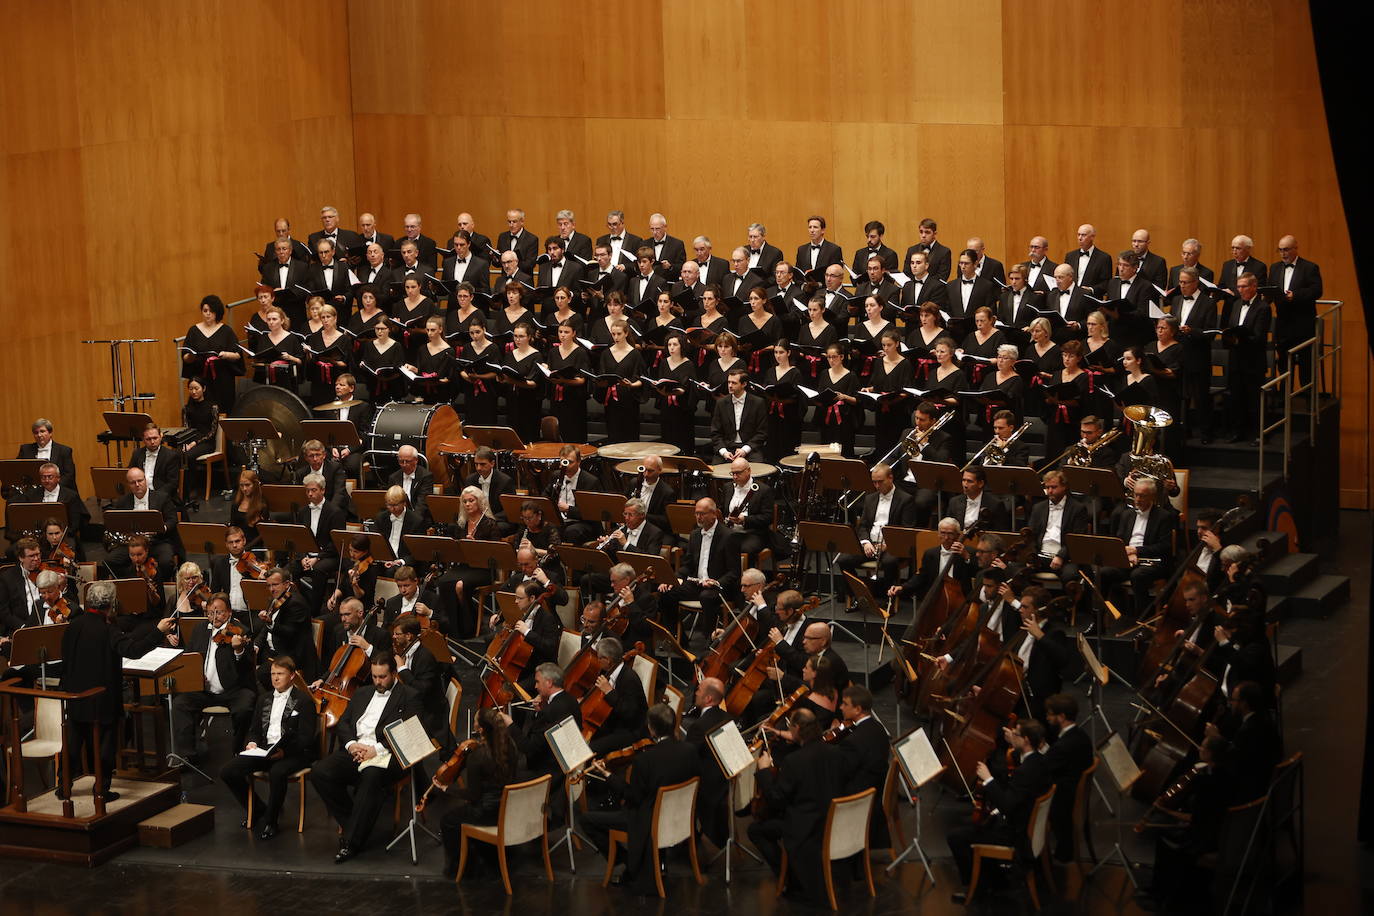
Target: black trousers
[
  {"x": 80, "y": 737},
  {"x": 710, "y": 599},
  {"x": 355, "y": 812},
  {"x": 187, "y": 707},
  {"x": 237, "y": 774},
  {"x": 962, "y": 840}
]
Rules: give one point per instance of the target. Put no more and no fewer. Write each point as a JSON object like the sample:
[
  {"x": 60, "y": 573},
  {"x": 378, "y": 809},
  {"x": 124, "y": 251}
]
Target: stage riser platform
[{"x": 44, "y": 835}]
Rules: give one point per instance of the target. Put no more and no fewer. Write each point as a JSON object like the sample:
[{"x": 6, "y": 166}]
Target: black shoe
[
  {"x": 958, "y": 897},
  {"x": 111, "y": 796},
  {"x": 268, "y": 831},
  {"x": 345, "y": 853},
  {"x": 1237, "y": 438}
]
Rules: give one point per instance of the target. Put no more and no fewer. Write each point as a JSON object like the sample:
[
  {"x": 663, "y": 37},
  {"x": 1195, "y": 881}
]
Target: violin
[
  {"x": 249, "y": 566},
  {"x": 614, "y": 760},
  {"x": 448, "y": 772},
  {"x": 783, "y": 709},
  {"x": 59, "y": 612},
  {"x": 226, "y": 636},
  {"x": 359, "y": 568},
  {"x": 837, "y": 732},
  {"x": 61, "y": 559},
  {"x": 199, "y": 597},
  {"x": 149, "y": 573}
]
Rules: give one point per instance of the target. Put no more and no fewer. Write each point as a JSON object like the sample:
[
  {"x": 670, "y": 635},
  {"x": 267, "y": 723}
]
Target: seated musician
[
  {"x": 1197, "y": 812},
  {"x": 360, "y": 415},
  {"x": 631, "y": 602},
  {"x": 493, "y": 484},
  {"x": 785, "y": 629},
  {"x": 1256, "y": 746},
  {"x": 739, "y": 421},
  {"x": 713, "y": 796},
  {"x": 1208, "y": 561},
  {"x": 1091, "y": 429},
  {"x": 283, "y": 628},
  {"x": 974, "y": 507},
  {"x": 162, "y": 466},
  {"x": 1068, "y": 756},
  {"x": 562, "y": 492},
  {"x": 1010, "y": 800},
  {"x": 1052, "y": 520},
  {"x": 1147, "y": 528},
  {"x": 527, "y": 569},
  {"x": 1047, "y": 657},
  {"x": 225, "y": 572},
  {"x": 552, "y": 704},
  {"x": 350, "y": 628},
  {"x": 474, "y": 522},
  {"x": 1243, "y": 653},
  {"x": 51, "y": 489},
  {"x": 19, "y": 586},
  {"x": 48, "y": 609},
  {"x": 396, "y": 520},
  {"x": 284, "y": 724},
  {"x": 140, "y": 497},
  {"x": 44, "y": 448},
  {"x": 416, "y": 483},
  {"x": 592, "y": 623},
  {"x": 867, "y": 749},
  {"x": 331, "y": 471},
  {"x": 489, "y": 766},
  {"x": 357, "y": 577},
  {"x": 708, "y": 569},
  {"x": 887, "y": 505},
  {"x": 228, "y": 665},
  {"x": 622, "y": 687},
  {"x": 949, "y": 557},
  {"x": 421, "y": 671},
  {"x": 146, "y": 567},
  {"x": 635, "y": 535},
  {"x": 1241, "y": 587},
  {"x": 359, "y": 735},
  {"x": 536, "y": 532},
  {"x": 655, "y": 493},
  {"x": 749, "y": 525},
  {"x": 1015, "y": 455},
  {"x": 538, "y": 624},
  {"x": 797, "y": 796},
  {"x": 935, "y": 446},
  {"x": 315, "y": 570},
  {"x": 411, "y": 600},
  {"x": 666, "y": 762},
  {"x": 60, "y": 547}
]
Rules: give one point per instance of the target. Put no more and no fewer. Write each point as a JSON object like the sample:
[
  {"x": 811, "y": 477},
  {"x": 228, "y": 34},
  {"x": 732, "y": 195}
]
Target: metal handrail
[
  {"x": 1278, "y": 383},
  {"x": 1332, "y": 351},
  {"x": 1310, "y": 385},
  {"x": 1286, "y": 385}
]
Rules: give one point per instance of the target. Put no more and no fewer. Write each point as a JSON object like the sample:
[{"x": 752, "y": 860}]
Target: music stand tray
[
  {"x": 368, "y": 503},
  {"x": 239, "y": 430},
  {"x": 600, "y": 507},
  {"x": 378, "y": 546},
  {"x": 109, "y": 483},
  {"x": 130, "y": 594},
  {"x": 685, "y": 464},
  {"x": 1094, "y": 483},
  {"x": 37, "y": 645},
  {"x": 936, "y": 475},
  {"x": 506, "y": 607},
  {"x": 906, "y": 542},
  {"x": 443, "y": 510},
  {"x": 185, "y": 625},
  {"x": 497, "y": 438},
  {"x": 30, "y": 516},
  {"x": 333, "y": 433},
  {"x": 289, "y": 539},
  {"x": 658, "y": 567},
  {"x": 429, "y": 548},
  {"x": 488, "y": 554},
  {"x": 284, "y": 497},
  {"x": 199, "y": 537},
  {"x": 830, "y": 537},
  {"x": 846, "y": 474},
  {"x": 256, "y": 594},
  {"x": 682, "y": 518},
  {"x": 20, "y": 472},
  {"x": 1097, "y": 550},
  {"x": 512, "y": 502},
  {"x": 585, "y": 559},
  {"x": 1013, "y": 481},
  {"x": 134, "y": 521},
  {"x": 128, "y": 426}
]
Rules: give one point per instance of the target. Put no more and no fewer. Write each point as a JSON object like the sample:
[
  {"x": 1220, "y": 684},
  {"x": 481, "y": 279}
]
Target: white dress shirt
[
  {"x": 971, "y": 510},
  {"x": 704, "y": 559},
  {"x": 1138, "y": 530},
  {"x": 369, "y": 720},
  {"x": 274, "y": 721},
  {"x": 1054, "y": 527},
  {"x": 149, "y": 463},
  {"x": 880, "y": 516}
]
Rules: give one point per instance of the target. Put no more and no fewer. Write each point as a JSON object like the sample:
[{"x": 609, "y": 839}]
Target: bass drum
[
  {"x": 424, "y": 426},
  {"x": 286, "y": 411}
]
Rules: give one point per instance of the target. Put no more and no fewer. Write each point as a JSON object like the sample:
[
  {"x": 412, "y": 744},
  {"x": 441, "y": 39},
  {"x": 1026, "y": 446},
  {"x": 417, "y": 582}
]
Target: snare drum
[{"x": 424, "y": 426}]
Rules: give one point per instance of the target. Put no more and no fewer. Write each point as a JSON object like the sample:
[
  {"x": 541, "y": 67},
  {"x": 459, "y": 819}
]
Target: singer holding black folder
[
  {"x": 211, "y": 353},
  {"x": 481, "y": 357},
  {"x": 568, "y": 391}
]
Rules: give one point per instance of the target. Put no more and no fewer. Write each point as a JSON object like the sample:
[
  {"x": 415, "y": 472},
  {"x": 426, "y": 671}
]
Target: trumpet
[{"x": 995, "y": 455}]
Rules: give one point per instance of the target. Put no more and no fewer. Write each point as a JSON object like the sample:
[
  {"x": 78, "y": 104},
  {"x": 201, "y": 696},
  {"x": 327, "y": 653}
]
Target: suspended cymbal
[{"x": 337, "y": 405}]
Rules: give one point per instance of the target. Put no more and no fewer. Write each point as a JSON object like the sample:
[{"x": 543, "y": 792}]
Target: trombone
[{"x": 997, "y": 454}]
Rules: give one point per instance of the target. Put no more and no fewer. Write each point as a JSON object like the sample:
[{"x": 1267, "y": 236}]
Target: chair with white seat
[
  {"x": 1037, "y": 832},
  {"x": 299, "y": 777},
  {"x": 453, "y": 696},
  {"x": 674, "y": 822},
  {"x": 386, "y": 590},
  {"x": 523, "y": 818},
  {"x": 569, "y": 644},
  {"x": 846, "y": 835},
  {"x": 47, "y": 733},
  {"x": 646, "y": 667}
]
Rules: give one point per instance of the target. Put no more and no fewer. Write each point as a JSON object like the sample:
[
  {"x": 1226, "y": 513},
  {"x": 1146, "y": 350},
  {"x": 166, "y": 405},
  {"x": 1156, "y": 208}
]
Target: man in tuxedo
[
  {"x": 360, "y": 737},
  {"x": 1013, "y": 797},
  {"x": 163, "y": 544},
  {"x": 1242, "y": 262},
  {"x": 341, "y": 239},
  {"x": 228, "y": 670},
  {"x": 50, "y": 489},
  {"x": 623, "y": 689},
  {"x": 974, "y": 507},
  {"x": 369, "y": 234},
  {"x": 938, "y": 446},
  {"x": 876, "y": 282},
  {"x": 707, "y": 571},
  {"x": 970, "y": 292},
  {"x": 1046, "y": 655},
  {"x": 1147, "y": 530},
  {"x": 741, "y": 278},
  {"x": 1256, "y": 746},
  {"x": 761, "y": 255},
  {"x": 1069, "y": 299},
  {"x": 1132, "y": 327},
  {"x": 938, "y": 256},
  {"x": 868, "y": 751},
  {"x": 557, "y": 269},
  {"x": 161, "y": 466},
  {"x": 316, "y": 569},
  {"x": 1039, "y": 267},
  {"x": 416, "y": 482},
  {"x": 1015, "y": 303},
  {"x": 283, "y": 628},
  {"x": 284, "y": 723},
  {"x": 1092, "y": 267},
  {"x": 1053, "y": 519},
  {"x": 602, "y": 271},
  {"x": 1149, "y": 265},
  {"x": 552, "y": 704},
  {"x": 481, "y": 244},
  {"x": 923, "y": 287},
  {"x": 283, "y": 271},
  {"x": 1246, "y": 326},
  {"x": 886, "y": 505},
  {"x": 411, "y": 263},
  {"x": 1299, "y": 286},
  {"x": 511, "y": 272},
  {"x": 669, "y": 252},
  {"x": 574, "y": 243},
  {"x": 44, "y": 448},
  {"x": 396, "y": 520},
  {"x": 637, "y": 603},
  {"x": 375, "y": 272},
  {"x": 688, "y": 284},
  {"x": 706, "y": 715},
  {"x": 517, "y": 239},
  {"x": 622, "y": 244},
  {"x": 360, "y": 415},
  {"x": 315, "y": 460},
  {"x": 1192, "y": 251},
  {"x": 19, "y": 591},
  {"x": 1196, "y": 312},
  {"x": 786, "y": 294},
  {"x": 427, "y": 251},
  {"x": 711, "y": 269},
  {"x": 1069, "y": 755},
  {"x": 948, "y": 557},
  {"x": 836, "y": 299},
  {"x": 739, "y": 421},
  {"x": 466, "y": 265},
  {"x": 749, "y": 506},
  {"x": 562, "y": 492},
  {"x": 224, "y": 574},
  {"x": 989, "y": 268},
  {"x": 874, "y": 231},
  {"x": 332, "y": 278},
  {"x": 646, "y": 284},
  {"x": 490, "y": 481},
  {"x": 281, "y": 232},
  {"x": 819, "y": 252},
  {"x": 410, "y": 599},
  {"x": 538, "y": 624},
  {"x": 420, "y": 671}
]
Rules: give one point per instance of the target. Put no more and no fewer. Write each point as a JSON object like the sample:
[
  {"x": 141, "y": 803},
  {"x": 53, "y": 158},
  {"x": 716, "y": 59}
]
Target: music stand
[
  {"x": 409, "y": 744},
  {"x": 918, "y": 765},
  {"x": 289, "y": 539},
  {"x": 493, "y": 555},
  {"x": 249, "y": 433},
  {"x": 437, "y": 548},
  {"x": 20, "y": 473},
  {"x": 257, "y": 596},
  {"x": 691, "y": 469},
  {"x": 600, "y": 507},
  {"x": 284, "y": 498},
  {"x": 573, "y": 753},
  {"x": 830, "y": 540},
  {"x": 863, "y": 597},
  {"x": 368, "y": 503},
  {"x": 152, "y": 668},
  {"x": 1123, "y": 770},
  {"x": 29, "y": 517},
  {"x": 682, "y": 518},
  {"x": 905, "y": 542},
  {"x": 131, "y": 595},
  {"x": 505, "y": 606},
  {"x": 657, "y": 567},
  {"x": 37, "y": 646},
  {"x": 585, "y": 560},
  {"x": 501, "y": 439},
  {"x": 938, "y": 476},
  {"x": 1014, "y": 482},
  {"x": 732, "y": 755},
  {"x": 847, "y": 475},
  {"x": 1096, "y": 484},
  {"x": 199, "y": 537},
  {"x": 333, "y": 433},
  {"x": 126, "y": 426},
  {"x": 134, "y": 521},
  {"x": 443, "y": 510},
  {"x": 109, "y": 484},
  {"x": 186, "y": 674},
  {"x": 377, "y": 546},
  {"x": 186, "y": 624}
]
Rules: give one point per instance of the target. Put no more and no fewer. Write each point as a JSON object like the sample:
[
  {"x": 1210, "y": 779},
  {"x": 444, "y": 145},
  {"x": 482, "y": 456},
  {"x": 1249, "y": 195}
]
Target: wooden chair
[
  {"x": 299, "y": 778},
  {"x": 674, "y": 822},
  {"x": 1081, "y": 825},
  {"x": 846, "y": 835},
  {"x": 453, "y": 695},
  {"x": 647, "y": 668},
  {"x": 676, "y": 700},
  {"x": 570, "y": 609},
  {"x": 1037, "y": 831},
  {"x": 386, "y": 589},
  {"x": 218, "y": 456},
  {"x": 523, "y": 817}
]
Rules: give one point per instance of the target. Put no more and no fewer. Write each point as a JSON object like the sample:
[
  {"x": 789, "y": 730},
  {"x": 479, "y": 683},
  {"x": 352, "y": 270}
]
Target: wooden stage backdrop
[{"x": 148, "y": 147}]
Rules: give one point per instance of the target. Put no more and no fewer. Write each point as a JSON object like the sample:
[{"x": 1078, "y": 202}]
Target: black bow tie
[
  {"x": 815, "y": 247},
  {"x": 755, "y": 250},
  {"x": 967, "y": 281},
  {"x": 615, "y": 238},
  {"x": 461, "y": 261}
]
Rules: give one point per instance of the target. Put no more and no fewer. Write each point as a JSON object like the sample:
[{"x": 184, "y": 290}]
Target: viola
[
  {"x": 615, "y": 760},
  {"x": 249, "y": 566},
  {"x": 448, "y": 772},
  {"x": 199, "y": 597},
  {"x": 226, "y": 636},
  {"x": 780, "y": 712},
  {"x": 359, "y": 569},
  {"x": 61, "y": 559},
  {"x": 59, "y": 612}
]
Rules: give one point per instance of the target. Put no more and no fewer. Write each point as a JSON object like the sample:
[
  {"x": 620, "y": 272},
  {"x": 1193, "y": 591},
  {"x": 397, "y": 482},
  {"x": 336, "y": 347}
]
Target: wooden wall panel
[
  {"x": 703, "y": 44},
  {"x": 38, "y": 70}
]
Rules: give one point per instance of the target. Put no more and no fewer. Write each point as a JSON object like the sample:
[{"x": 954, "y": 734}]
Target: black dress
[
  {"x": 600, "y": 331},
  {"x": 890, "y": 417},
  {"x": 382, "y": 371},
  {"x": 714, "y": 374},
  {"x": 987, "y": 350},
  {"x": 784, "y": 417},
  {"x": 413, "y": 338},
  {"x": 270, "y": 368},
  {"x": 327, "y": 362},
  {"x": 675, "y": 421},
  {"x": 456, "y": 329},
  {"x": 1171, "y": 398},
  {"x": 761, "y": 357},
  {"x": 215, "y": 373},
  {"x": 203, "y": 417},
  {"x": 955, "y": 381},
  {"x": 838, "y": 421},
  {"x": 814, "y": 364},
  {"x": 622, "y": 401},
  {"x": 1015, "y": 390},
  {"x": 434, "y": 375},
  {"x": 524, "y": 405},
  {"x": 1061, "y": 421},
  {"x": 862, "y": 337},
  {"x": 1104, "y": 365},
  {"x": 506, "y": 325},
  {"x": 568, "y": 403},
  {"x": 480, "y": 395},
  {"x": 918, "y": 351},
  {"x": 1045, "y": 365}
]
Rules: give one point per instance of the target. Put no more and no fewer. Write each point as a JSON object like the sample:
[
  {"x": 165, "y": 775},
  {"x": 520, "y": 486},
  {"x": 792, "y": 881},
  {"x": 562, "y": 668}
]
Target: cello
[
  {"x": 345, "y": 668},
  {"x": 596, "y": 708},
  {"x": 736, "y": 643},
  {"x": 753, "y": 677}
]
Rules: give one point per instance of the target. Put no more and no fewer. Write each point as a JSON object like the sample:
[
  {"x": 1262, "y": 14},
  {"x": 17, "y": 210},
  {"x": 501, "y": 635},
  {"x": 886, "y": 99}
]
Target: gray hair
[
  {"x": 637, "y": 505},
  {"x": 759, "y": 228},
  {"x": 327, "y": 210},
  {"x": 1193, "y": 242},
  {"x": 702, "y": 240},
  {"x": 48, "y": 579},
  {"x": 313, "y": 479},
  {"x": 616, "y": 214},
  {"x": 100, "y": 595},
  {"x": 1008, "y": 350},
  {"x": 550, "y": 672},
  {"x": 752, "y": 576},
  {"x": 1234, "y": 553},
  {"x": 565, "y": 214},
  {"x": 623, "y": 571},
  {"x": 610, "y": 649}
]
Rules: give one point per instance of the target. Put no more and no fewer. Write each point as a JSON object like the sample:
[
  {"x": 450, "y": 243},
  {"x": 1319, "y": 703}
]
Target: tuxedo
[
  {"x": 163, "y": 545},
  {"x": 1200, "y": 315},
  {"x": 625, "y": 724},
  {"x": 1247, "y": 365},
  {"x": 714, "y": 270},
  {"x": 828, "y": 253},
  {"x": 966, "y": 298},
  {"x": 295, "y": 748},
  {"x": 331, "y": 518},
  {"x": 737, "y": 286},
  {"x": 615, "y": 280},
  {"x": 901, "y": 513},
  {"x": 1067, "y": 758},
  {"x": 886, "y": 290},
  {"x": 919, "y": 584},
  {"x": 427, "y": 258},
  {"x": 384, "y": 241},
  {"x": 887, "y": 256},
  {"x": 476, "y": 270},
  {"x": 993, "y": 514},
  {"x": 298, "y": 273},
  {"x": 929, "y": 289},
  {"x": 751, "y": 430},
  {"x": 1091, "y": 269},
  {"x": 721, "y": 565},
  {"x": 498, "y": 288},
  {"x": 1296, "y": 320},
  {"x": 1160, "y": 525},
  {"x": 629, "y": 246},
  {"x": 412, "y": 522},
  {"x": 578, "y": 245},
  {"x": 395, "y": 604},
  {"x": 343, "y": 240},
  {"x": 990, "y": 268},
  {"x": 237, "y": 689},
  {"x": 713, "y": 793},
  {"x": 381, "y": 277},
  {"x": 335, "y": 482},
  {"x": 656, "y": 509},
  {"x": 539, "y": 757},
  {"x": 1044, "y": 280},
  {"x": 1132, "y": 327},
  {"x": 299, "y": 251},
  {"x": 798, "y": 795},
  {"x": 166, "y": 476},
  {"x": 77, "y": 514},
  {"x": 1075, "y": 520},
  {"x": 1014, "y": 798},
  {"x": 421, "y": 487},
  {"x": 1231, "y": 271},
  {"x": 644, "y": 290},
  {"x": 938, "y": 257},
  {"x": 757, "y": 509},
  {"x": 575, "y": 530},
  {"x": 867, "y": 750},
  {"x": 1205, "y": 273},
  {"x": 649, "y": 541},
  {"x": 337, "y": 286},
  {"x": 1019, "y": 316},
  {"x": 565, "y": 273},
  {"x": 1076, "y": 309},
  {"x": 58, "y": 454},
  {"x": 1153, "y": 268},
  {"x": 287, "y": 633},
  {"x": 425, "y": 676},
  {"x": 769, "y": 256},
  {"x": 671, "y": 250}
]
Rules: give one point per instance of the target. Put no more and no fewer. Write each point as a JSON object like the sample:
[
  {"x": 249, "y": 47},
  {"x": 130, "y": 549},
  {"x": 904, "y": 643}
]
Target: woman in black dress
[
  {"x": 711, "y": 318},
  {"x": 212, "y": 354},
  {"x": 380, "y": 361},
  {"x": 921, "y": 339},
  {"x": 947, "y": 374},
  {"x": 891, "y": 373},
  {"x": 1169, "y": 381},
  {"x": 433, "y": 365},
  {"x": 1044, "y": 352},
  {"x": 249, "y": 507},
  {"x": 490, "y": 766},
  {"x": 330, "y": 350},
  {"x": 815, "y": 333},
  {"x": 568, "y": 397},
  {"x": 865, "y": 334},
  {"x": 1102, "y": 359},
  {"x": 727, "y": 358},
  {"x": 837, "y": 420},
  {"x": 622, "y": 398},
  {"x": 411, "y": 313},
  {"x": 1063, "y": 411},
  {"x": 758, "y": 321},
  {"x": 1006, "y": 379},
  {"x": 457, "y": 587},
  {"x": 982, "y": 343},
  {"x": 563, "y": 314},
  {"x": 479, "y": 387},
  {"x": 201, "y": 416},
  {"x": 525, "y": 394},
  {"x": 675, "y": 409},
  {"x": 615, "y": 314},
  {"x": 784, "y": 413},
  {"x": 278, "y": 354},
  {"x": 369, "y": 312},
  {"x": 515, "y": 311},
  {"x": 462, "y": 313},
  {"x": 1136, "y": 385},
  {"x": 257, "y": 325}
]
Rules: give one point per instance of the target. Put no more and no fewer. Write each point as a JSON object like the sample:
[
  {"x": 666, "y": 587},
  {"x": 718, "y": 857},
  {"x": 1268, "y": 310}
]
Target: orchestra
[{"x": 1058, "y": 371}]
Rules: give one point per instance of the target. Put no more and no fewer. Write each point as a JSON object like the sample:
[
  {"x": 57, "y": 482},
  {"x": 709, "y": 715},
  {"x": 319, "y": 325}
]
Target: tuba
[{"x": 1143, "y": 460}]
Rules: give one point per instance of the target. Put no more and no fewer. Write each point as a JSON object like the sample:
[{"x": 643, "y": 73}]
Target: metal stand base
[
  {"x": 914, "y": 846},
  {"x": 731, "y": 842},
  {"x": 173, "y": 758},
  {"x": 570, "y": 831},
  {"x": 410, "y": 828}
]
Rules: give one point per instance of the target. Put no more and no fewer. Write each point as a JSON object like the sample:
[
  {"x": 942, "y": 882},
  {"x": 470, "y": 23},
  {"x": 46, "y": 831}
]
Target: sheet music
[
  {"x": 1120, "y": 764},
  {"x": 731, "y": 752},
  {"x": 1090, "y": 657},
  {"x": 151, "y": 662},
  {"x": 380, "y": 759},
  {"x": 566, "y": 741},
  {"x": 409, "y": 741},
  {"x": 917, "y": 758}
]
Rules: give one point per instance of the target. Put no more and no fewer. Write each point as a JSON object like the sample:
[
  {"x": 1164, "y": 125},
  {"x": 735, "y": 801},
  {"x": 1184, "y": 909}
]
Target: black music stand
[
  {"x": 292, "y": 540},
  {"x": 333, "y": 433},
  {"x": 377, "y": 546},
  {"x": 250, "y": 434},
  {"x": 493, "y": 555},
  {"x": 584, "y": 560},
  {"x": 1014, "y": 482},
  {"x": 29, "y": 517},
  {"x": 1096, "y": 484},
  {"x": 124, "y": 427},
  {"x": 109, "y": 484},
  {"x": 512, "y": 502},
  {"x": 429, "y": 548},
  {"x": 829, "y": 539},
  {"x": 904, "y": 542},
  {"x": 257, "y": 596},
  {"x": 202, "y": 538},
  {"x": 368, "y": 503},
  {"x": 134, "y": 521},
  {"x": 19, "y": 473},
  {"x": 658, "y": 568},
  {"x": 938, "y": 476},
  {"x": 1091, "y": 550},
  {"x": 37, "y": 646},
  {"x": 501, "y": 439},
  {"x": 682, "y": 518},
  {"x": 847, "y": 475},
  {"x": 691, "y": 470},
  {"x": 600, "y": 507},
  {"x": 284, "y": 498}
]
